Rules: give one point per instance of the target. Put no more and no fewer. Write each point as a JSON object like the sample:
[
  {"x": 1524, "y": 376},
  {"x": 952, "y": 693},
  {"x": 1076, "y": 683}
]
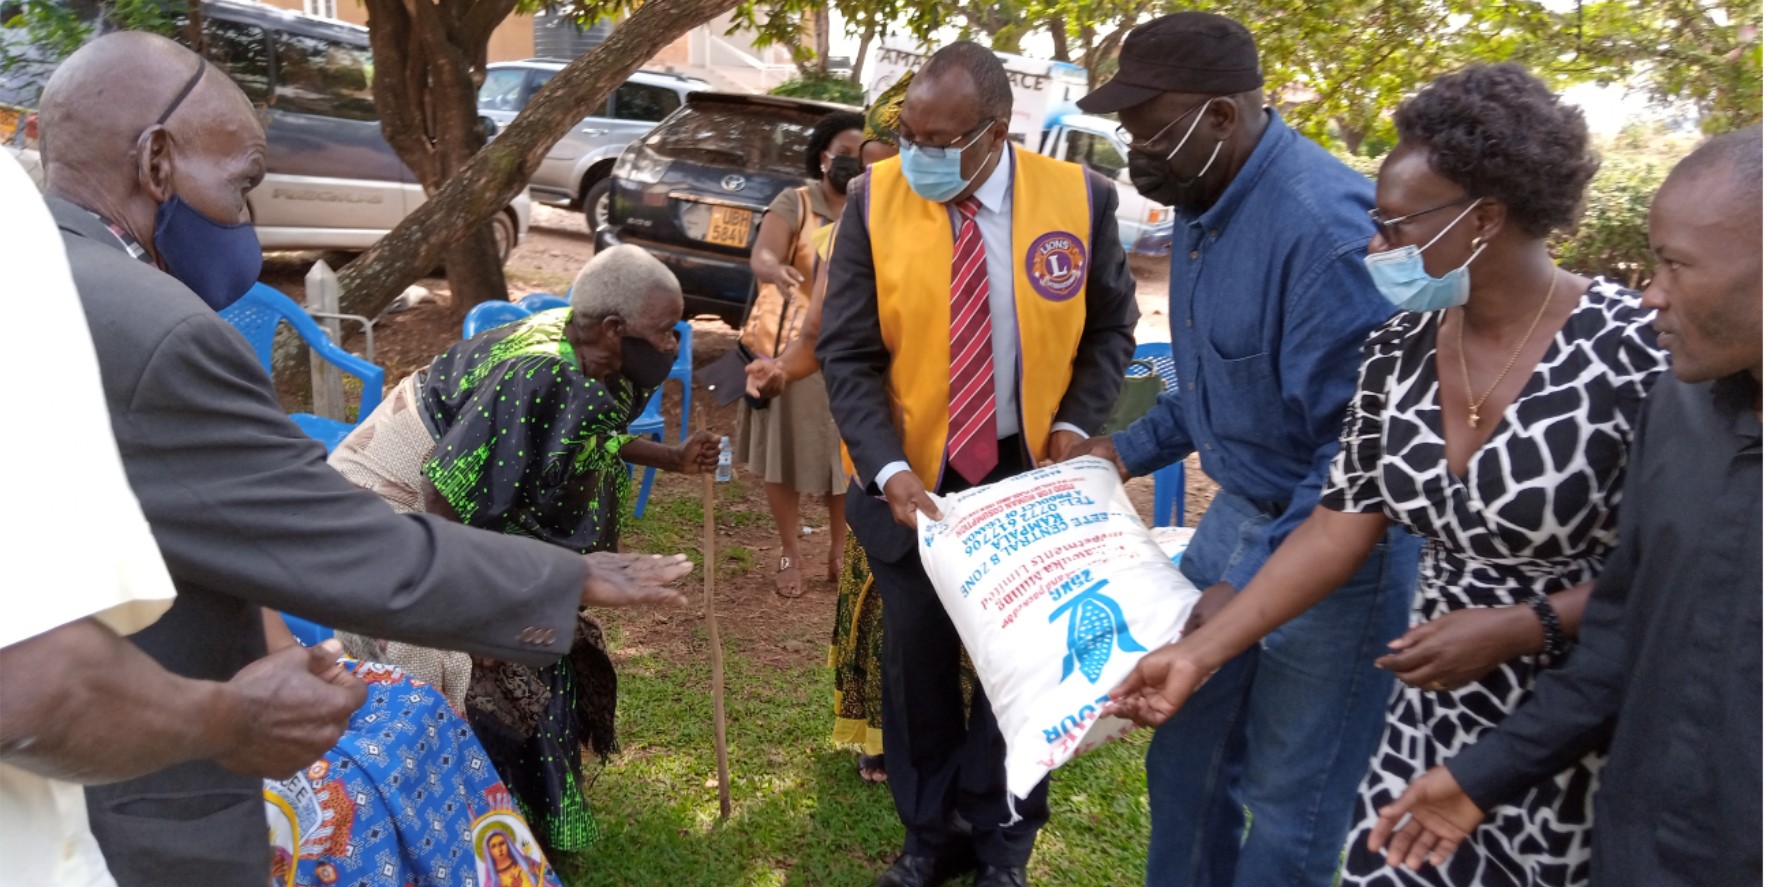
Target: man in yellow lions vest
[{"x": 978, "y": 320}]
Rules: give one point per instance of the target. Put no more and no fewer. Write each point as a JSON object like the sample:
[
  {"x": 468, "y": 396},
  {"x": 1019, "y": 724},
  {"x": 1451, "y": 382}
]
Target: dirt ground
[{"x": 755, "y": 622}]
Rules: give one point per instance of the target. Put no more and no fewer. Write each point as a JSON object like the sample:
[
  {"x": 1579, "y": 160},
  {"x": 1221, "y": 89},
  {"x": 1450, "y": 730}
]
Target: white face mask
[{"x": 1400, "y": 276}]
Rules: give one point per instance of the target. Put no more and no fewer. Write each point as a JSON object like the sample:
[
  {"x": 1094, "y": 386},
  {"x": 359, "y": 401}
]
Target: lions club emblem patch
[{"x": 1056, "y": 265}]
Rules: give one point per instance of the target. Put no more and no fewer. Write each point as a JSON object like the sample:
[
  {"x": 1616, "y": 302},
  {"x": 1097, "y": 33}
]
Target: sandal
[
  {"x": 870, "y": 769},
  {"x": 789, "y": 582}
]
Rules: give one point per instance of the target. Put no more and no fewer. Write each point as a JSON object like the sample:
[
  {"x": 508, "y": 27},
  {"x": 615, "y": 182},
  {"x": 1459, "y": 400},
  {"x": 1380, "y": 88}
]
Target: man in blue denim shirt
[{"x": 1254, "y": 782}]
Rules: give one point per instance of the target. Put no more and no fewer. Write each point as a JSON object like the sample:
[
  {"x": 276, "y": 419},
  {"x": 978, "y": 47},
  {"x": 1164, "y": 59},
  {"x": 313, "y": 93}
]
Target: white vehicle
[{"x": 1046, "y": 118}]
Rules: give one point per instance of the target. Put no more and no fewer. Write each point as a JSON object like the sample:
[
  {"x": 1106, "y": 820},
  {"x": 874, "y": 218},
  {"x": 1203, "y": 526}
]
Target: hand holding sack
[{"x": 1057, "y": 589}]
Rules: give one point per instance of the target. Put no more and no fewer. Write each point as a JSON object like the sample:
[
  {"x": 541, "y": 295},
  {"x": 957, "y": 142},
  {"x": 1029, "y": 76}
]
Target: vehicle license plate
[{"x": 730, "y": 226}]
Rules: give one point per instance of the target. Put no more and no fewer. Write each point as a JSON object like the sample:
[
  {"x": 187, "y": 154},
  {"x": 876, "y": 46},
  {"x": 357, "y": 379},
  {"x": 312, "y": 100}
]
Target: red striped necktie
[{"x": 974, "y": 440}]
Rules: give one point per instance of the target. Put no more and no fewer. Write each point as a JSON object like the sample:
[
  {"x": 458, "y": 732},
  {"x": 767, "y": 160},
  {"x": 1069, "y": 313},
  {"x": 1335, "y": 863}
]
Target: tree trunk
[
  {"x": 1088, "y": 53},
  {"x": 480, "y": 189},
  {"x": 193, "y": 33},
  {"x": 1351, "y": 136},
  {"x": 1058, "y": 33},
  {"x": 431, "y": 116},
  {"x": 864, "y": 51},
  {"x": 822, "y": 25}
]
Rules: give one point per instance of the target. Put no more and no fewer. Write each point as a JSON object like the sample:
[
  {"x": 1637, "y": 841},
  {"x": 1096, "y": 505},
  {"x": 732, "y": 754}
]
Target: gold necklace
[{"x": 1474, "y": 406}]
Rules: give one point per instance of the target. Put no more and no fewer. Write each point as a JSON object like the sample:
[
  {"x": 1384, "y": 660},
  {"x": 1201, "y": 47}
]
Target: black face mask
[
  {"x": 1152, "y": 176},
  {"x": 643, "y": 363},
  {"x": 842, "y": 170}
]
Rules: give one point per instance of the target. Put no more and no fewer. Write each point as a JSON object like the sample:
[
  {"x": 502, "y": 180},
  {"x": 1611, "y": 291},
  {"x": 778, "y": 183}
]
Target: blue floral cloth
[{"x": 407, "y": 798}]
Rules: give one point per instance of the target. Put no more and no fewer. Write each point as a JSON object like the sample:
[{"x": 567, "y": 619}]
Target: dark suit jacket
[
  {"x": 855, "y": 361},
  {"x": 247, "y": 514}
]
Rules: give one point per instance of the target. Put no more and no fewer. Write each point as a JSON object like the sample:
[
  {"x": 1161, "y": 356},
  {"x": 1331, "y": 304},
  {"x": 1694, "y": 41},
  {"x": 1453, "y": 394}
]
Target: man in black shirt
[{"x": 1667, "y": 668}]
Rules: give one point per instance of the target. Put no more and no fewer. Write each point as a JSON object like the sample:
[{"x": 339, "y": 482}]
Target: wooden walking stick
[{"x": 717, "y": 649}]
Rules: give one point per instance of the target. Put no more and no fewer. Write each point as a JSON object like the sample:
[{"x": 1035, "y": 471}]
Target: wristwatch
[{"x": 1556, "y": 644}]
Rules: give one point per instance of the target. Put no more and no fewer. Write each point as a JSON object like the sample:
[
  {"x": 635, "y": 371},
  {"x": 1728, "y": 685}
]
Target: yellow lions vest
[{"x": 912, "y": 244}]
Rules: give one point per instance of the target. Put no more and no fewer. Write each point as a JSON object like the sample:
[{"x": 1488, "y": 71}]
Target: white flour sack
[{"x": 1057, "y": 590}]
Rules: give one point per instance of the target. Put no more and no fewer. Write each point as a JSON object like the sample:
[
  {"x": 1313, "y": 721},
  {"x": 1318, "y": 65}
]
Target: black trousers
[{"x": 942, "y": 766}]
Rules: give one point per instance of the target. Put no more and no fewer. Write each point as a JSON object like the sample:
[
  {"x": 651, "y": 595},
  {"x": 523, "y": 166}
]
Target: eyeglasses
[
  {"x": 1389, "y": 227},
  {"x": 936, "y": 152},
  {"x": 1146, "y": 147}
]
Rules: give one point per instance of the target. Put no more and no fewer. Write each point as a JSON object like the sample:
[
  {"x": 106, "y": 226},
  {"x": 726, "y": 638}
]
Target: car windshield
[{"x": 751, "y": 138}]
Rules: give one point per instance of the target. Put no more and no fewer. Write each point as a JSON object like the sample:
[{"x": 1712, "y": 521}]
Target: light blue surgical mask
[
  {"x": 1400, "y": 276},
  {"x": 936, "y": 172}
]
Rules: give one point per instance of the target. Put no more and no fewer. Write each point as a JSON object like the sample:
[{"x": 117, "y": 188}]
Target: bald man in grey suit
[{"x": 245, "y": 509}]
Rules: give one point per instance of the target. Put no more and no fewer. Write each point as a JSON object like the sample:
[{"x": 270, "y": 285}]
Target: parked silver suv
[{"x": 575, "y": 173}]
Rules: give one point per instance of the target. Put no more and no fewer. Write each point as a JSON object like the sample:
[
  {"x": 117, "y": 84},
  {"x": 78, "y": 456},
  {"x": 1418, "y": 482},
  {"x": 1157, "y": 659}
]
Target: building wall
[
  {"x": 513, "y": 39},
  {"x": 676, "y": 54}
]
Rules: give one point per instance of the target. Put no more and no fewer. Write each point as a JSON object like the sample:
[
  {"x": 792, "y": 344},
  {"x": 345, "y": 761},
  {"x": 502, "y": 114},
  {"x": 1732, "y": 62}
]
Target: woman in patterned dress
[
  {"x": 1492, "y": 417},
  {"x": 522, "y": 430}
]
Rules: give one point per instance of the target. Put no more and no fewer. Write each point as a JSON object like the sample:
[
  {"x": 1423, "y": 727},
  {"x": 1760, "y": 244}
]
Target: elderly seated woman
[{"x": 522, "y": 429}]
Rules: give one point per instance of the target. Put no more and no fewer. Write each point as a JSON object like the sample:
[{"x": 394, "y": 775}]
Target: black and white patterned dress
[{"x": 1535, "y": 514}]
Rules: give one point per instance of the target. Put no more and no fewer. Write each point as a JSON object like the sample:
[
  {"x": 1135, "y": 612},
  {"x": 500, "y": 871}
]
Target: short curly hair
[
  {"x": 1498, "y": 132},
  {"x": 827, "y": 130}
]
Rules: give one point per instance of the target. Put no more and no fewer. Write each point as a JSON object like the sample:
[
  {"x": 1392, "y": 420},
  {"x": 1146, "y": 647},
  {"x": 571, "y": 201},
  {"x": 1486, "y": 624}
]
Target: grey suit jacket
[
  {"x": 855, "y": 361},
  {"x": 247, "y": 514}
]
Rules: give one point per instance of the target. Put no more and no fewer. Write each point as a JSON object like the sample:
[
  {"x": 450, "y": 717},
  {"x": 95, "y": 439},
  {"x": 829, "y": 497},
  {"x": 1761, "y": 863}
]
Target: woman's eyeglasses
[{"x": 1389, "y": 227}]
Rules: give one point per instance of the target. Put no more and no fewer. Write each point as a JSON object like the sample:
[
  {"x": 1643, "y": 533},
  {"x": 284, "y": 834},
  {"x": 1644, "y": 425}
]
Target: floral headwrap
[{"x": 884, "y": 115}]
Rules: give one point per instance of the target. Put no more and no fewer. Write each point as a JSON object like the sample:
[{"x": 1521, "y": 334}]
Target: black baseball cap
[{"x": 1195, "y": 52}]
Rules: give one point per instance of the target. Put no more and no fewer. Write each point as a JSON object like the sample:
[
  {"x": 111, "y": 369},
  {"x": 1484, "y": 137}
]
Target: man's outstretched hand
[
  {"x": 1099, "y": 446},
  {"x": 1159, "y": 685},
  {"x": 1440, "y": 817},
  {"x": 627, "y": 579},
  {"x": 907, "y": 497},
  {"x": 288, "y": 709}
]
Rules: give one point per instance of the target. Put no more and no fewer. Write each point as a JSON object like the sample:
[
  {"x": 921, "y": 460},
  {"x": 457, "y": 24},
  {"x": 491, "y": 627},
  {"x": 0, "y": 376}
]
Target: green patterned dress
[
  {"x": 528, "y": 444},
  {"x": 856, "y": 655}
]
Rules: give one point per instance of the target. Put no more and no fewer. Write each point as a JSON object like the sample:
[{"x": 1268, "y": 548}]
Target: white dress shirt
[
  {"x": 995, "y": 221},
  {"x": 72, "y": 478}
]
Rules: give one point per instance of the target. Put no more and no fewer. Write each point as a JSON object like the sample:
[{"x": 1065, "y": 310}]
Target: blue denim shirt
[{"x": 1270, "y": 304}]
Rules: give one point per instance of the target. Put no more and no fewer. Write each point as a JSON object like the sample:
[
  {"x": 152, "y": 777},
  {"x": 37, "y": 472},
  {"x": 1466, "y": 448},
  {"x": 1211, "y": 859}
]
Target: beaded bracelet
[{"x": 1556, "y": 644}]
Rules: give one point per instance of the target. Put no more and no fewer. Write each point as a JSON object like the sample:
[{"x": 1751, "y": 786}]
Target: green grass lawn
[{"x": 801, "y": 816}]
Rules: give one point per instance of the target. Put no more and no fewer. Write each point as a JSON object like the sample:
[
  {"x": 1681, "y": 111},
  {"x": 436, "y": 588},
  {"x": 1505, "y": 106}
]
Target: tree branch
[{"x": 487, "y": 183}]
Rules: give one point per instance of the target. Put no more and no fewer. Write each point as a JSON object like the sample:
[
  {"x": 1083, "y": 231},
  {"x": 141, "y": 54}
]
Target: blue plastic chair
[
  {"x": 1168, "y": 489},
  {"x": 310, "y": 634},
  {"x": 650, "y": 424},
  {"x": 537, "y": 302},
  {"x": 490, "y": 315},
  {"x": 257, "y": 314}
]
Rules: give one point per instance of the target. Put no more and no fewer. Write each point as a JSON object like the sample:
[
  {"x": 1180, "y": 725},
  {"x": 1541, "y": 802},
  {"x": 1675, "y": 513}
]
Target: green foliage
[
  {"x": 822, "y": 88},
  {"x": 1613, "y": 238},
  {"x": 1702, "y": 52},
  {"x": 47, "y": 31}
]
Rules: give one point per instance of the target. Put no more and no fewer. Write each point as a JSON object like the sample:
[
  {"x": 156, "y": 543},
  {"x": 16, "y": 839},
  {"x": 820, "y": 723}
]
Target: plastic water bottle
[{"x": 724, "y": 472}]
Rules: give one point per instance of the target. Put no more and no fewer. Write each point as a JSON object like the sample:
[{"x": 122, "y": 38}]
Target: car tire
[
  {"x": 597, "y": 204},
  {"x": 503, "y": 230}
]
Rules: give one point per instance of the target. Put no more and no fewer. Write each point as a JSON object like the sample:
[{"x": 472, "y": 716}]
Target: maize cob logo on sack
[
  {"x": 1057, "y": 589},
  {"x": 1095, "y": 626}
]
